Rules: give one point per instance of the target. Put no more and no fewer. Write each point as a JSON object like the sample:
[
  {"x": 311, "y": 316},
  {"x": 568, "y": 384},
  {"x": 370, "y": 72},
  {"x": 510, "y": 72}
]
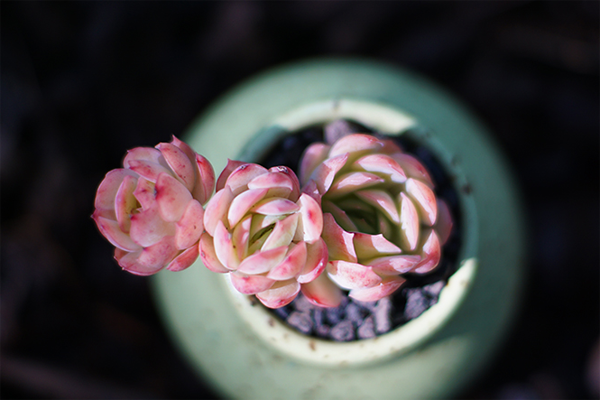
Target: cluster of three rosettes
[{"x": 365, "y": 214}]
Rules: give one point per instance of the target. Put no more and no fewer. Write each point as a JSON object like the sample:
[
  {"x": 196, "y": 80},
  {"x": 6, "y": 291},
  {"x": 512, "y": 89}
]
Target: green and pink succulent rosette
[
  {"x": 151, "y": 209},
  {"x": 365, "y": 215},
  {"x": 265, "y": 233},
  {"x": 381, "y": 216}
]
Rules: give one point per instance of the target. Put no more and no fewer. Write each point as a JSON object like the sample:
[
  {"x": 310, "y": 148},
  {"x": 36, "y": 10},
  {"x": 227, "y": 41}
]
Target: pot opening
[{"x": 355, "y": 320}]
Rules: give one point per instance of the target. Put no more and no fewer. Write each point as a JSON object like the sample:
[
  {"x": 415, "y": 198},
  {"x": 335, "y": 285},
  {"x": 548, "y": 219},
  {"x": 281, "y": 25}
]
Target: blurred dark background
[{"x": 82, "y": 82}]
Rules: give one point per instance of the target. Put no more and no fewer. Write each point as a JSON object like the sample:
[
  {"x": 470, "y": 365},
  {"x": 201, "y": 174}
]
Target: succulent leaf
[
  {"x": 189, "y": 227},
  {"x": 387, "y": 286},
  {"x": 280, "y": 294},
  {"x": 184, "y": 260},
  {"x": 349, "y": 275},
  {"x": 179, "y": 163},
  {"x": 314, "y": 155},
  {"x": 125, "y": 202},
  {"x": 151, "y": 209},
  {"x": 322, "y": 292},
  {"x": 381, "y": 216},
  {"x": 208, "y": 255},
  {"x": 250, "y": 284},
  {"x": 261, "y": 229},
  {"x": 217, "y": 209}
]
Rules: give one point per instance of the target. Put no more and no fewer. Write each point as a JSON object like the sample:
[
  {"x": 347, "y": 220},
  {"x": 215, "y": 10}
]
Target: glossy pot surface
[{"x": 245, "y": 352}]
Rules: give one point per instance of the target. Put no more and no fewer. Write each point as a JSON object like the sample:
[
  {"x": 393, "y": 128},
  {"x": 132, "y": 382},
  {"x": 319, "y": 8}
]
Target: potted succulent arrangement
[{"x": 363, "y": 239}]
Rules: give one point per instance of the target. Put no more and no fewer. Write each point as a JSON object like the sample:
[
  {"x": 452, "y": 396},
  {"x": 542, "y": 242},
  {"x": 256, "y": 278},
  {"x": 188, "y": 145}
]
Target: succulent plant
[
  {"x": 266, "y": 234},
  {"x": 367, "y": 214},
  {"x": 381, "y": 216},
  {"x": 151, "y": 210}
]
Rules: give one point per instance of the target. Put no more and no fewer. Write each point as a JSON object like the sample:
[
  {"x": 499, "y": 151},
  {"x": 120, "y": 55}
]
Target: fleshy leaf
[
  {"x": 172, "y": 197},
  {"x": 431, "y": 255},
  {"x": 275, "y": 206},
  {"x": 111, "y": 231},
  {"x": 424, "y": 199},
  {"x": 189, "y": 228},
  {"x": 144, "y": 193},
  {"x": 394, "y": 265},
  {"x": 241, "y": 236},
  {"x": 291, "y": 265},
  {"x": 322, "y": 292},
  {"x": 316, "y": 261},
  {"x": 282, "y": 169},
  {"x": 260, "y": 222},
  {"x": 189, "y": 152},
  {"x": 105, "y": 195},
  {"x": 184, "y": 260},
  {"x": 217, "y": 209},
  {"x": 180, "y": 164},
  {"x": 277, "y": 183},
  {"x": 250, "y": 284},
  {"x": 413, "y": 168},
  {"x": 339, "y": 242},
  {"x": 388, "y": 286},
  {"x": 282, "y": 233},
  {"x": 151, "y": 259},
  {"x": 409, "y": 223},
  {"x": 125, "y": 202},
  {"x": 224, "y": 247},
  {"x": 352, "y": 182},
  {"x": 443, "y": 225},
  {"x": 231, "y": 166},
  {"x": 148, "y": 228},
  {"x": 382, "y": 164},
  {"x": 239, "y": 178},
  {"x": 310, "y": 223},
  {"x": 357, "y": 142},
  {"x": 205, "y": 179},
  {"x": 148, "y": 169},
  {"x": 325, "y": 172},
  {"x": 144, "y": 154},
  {"x": 209, "y": 256},
  {"x": 262, "y": 261},
  {"x": 370, "y": 246},
  {"x": 382, "y": 201},
  {"x": 350, "y": 275},
  {"x": 314, "y": 155},
  {"x": 280, "y": 294},
  {"x": 340, "y": 216},
  {"x": 242, "y": 203}
]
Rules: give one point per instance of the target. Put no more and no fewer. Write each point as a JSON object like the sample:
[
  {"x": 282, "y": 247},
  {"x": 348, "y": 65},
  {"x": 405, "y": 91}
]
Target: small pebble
[
  {"x": 518, "y": 392},
  {"x": 434, "y": 289},
  {"x": 343, "y": 332},
  {"x": 321, "y": 329},
  {"x": 593, "y": 370},
  {"x": 416, "y": 303},
  {"x": 300, "y": 321},
  {"x": 367, "y": 329},
  {"x": 302, "y": 304},
  {"x": 337, "y": 129},
  {"x": 366, "y": 305},
  {"x": 382, "y": 315},
  {"x": 353, "y": 313},
  {"x": 282, "y": 312}
]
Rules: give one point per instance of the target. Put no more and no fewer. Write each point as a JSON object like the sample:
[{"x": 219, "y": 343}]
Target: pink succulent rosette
[
  {"x": 266, "y": 234},
  {"x": 381, "y": 216},
  {"x": 151, "y": 210}
]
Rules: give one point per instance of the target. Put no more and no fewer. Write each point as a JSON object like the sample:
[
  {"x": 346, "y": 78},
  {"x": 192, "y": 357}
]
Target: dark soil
[
  {"x": 82, "y": 82},
  {"x": 354, "y": 320}
]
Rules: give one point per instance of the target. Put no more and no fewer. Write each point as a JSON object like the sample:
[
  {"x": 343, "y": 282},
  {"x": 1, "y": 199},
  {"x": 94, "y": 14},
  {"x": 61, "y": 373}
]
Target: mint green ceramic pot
[{"x": 245, "y": 352}]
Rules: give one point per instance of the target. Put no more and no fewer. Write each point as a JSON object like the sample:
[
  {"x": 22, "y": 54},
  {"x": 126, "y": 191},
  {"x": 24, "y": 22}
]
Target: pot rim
[
  {"x": 391, "y": 121},
  {"x": 211, "y": 334}
]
